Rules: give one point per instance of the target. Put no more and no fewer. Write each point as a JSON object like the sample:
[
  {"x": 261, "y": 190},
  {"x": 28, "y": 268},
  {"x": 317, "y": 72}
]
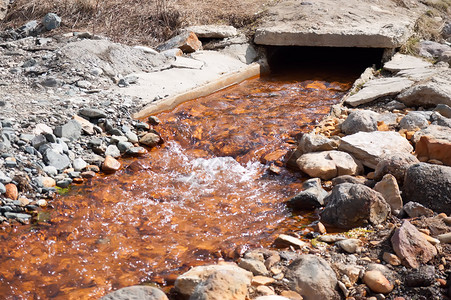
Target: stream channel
[{"x": 205, "y": 194}]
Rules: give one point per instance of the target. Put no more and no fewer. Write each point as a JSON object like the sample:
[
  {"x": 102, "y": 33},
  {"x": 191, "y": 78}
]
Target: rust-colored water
[{"x": 204, "y": 192}]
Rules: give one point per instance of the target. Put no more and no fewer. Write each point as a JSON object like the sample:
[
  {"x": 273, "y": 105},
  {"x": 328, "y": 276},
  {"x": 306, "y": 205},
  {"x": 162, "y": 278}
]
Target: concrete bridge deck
[{"x": 332, "y": 23}]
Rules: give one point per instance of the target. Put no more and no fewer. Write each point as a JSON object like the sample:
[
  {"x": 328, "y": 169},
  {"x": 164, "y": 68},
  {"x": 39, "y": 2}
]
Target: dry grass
[{"x": 136, "y": 21}]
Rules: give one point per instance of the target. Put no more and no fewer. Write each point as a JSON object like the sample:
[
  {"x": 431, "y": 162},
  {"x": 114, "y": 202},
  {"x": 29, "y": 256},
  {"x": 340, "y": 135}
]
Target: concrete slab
[
  {"x": 378, "y": 88},
  {"x": 187, "y": 63},
  {"x": 213, "y": 31},
  {"x": 157, "y": 85},
  {"x": 331, "y": 23},
  {"x": 401, "y": 62}
]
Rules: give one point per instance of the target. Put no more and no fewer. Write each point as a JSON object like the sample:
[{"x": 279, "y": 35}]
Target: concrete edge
[{"x": 222, "y": 82}]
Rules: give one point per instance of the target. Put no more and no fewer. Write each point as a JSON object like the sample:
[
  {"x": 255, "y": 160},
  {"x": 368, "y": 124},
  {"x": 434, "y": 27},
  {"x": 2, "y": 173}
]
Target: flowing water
[{"x": 200, "y": 196}]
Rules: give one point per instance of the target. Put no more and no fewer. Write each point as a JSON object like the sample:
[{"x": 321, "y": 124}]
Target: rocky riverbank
[
  {"x": 386, "y": 168},
  {"x": 381, "y": 177},
  {"x": 380, "y": 167}
]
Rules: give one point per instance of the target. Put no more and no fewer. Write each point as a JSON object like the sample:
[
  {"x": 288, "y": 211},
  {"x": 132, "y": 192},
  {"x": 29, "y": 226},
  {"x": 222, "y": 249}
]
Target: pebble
[
  {"x": 444, "y": 238},
  {"x": 377, "y": 282},
  {"x": 93, "y": 168},
  {"x": 136, "y": 151},
  {"x": 150, "y": 139},
  {"x": 110, "y": 165},
  {"x": 118, "y": 138},
  {"x": 124, "y": 146},
  {"x": 47, "y": 182},
  {"x": 17, "y": 216},
  {"x": 424, "y": 276},
  {"x": 153, "y": 120},
  {"x": 321, "y": 228},
  {"x": 142, "y": 126},
  {"x": 331, "y": 238},
  {"x": 88, "y": 174},
  {"x": 430, "y": 239},
  {"x": 262, "y": 280},
  {"x": 284, "y": 240},
  {"x": 41, "y": 203},
  {"x": 2, "y": 188},
  {"x": 252, "y": 265},
  {"x": 292, "y": 295},
  {"x": 132, "y": 137},
  {"x": 11, "y": 191},
  {"x": 113, "y": 151},
  {"x": 92, "y": 113},
  {"x": 79, "y": 164},
  {"x": 77, "y": 180},
  {"x": 349, "y": 245},
  {"x": 50, "y": 170},
  {"x": 272, "y": 260},
  {"x": 24, "y": 201},
  {"x": 264, "y": 290},
  {"x": 64, "y": 183},
  {"x": 391, "y": 259}
]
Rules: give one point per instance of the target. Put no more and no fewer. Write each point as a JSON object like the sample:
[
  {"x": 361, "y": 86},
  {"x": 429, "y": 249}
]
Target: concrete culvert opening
[{"x": 313, "y": 60}]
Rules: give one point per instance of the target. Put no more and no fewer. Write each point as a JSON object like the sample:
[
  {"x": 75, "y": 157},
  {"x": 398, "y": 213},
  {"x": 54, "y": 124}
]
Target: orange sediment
[{"x": 203, "y": 193}]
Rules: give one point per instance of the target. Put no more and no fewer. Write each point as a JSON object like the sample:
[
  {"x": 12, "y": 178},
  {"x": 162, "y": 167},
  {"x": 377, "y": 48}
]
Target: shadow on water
[{"x": 326, "y": 63}]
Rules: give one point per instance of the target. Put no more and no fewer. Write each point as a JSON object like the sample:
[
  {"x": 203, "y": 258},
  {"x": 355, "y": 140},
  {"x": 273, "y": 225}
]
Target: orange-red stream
[{"x": 197, "y": 197}]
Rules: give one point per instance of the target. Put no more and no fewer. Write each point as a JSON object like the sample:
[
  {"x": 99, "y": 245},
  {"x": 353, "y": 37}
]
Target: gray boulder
[
  {"x": 360, "y": 120},
  {"x": 252, "y": 265},
  {"x": 313, "y": 278},
  {"x": 221, "y": 286},
  {"x": 328, "y": 164},
  {"x": 427, "y": 94},
  {"x": 311, "y": 197},
  {"x": 372, "y": 147},
  {"x": 186, "y": 284},
  {"x": 186, "y": 41},
  {"x": 348, "y": 179},
  {"x": 413, "y": 120},
  {"x": 400, "y": 62},
  {"x": 438, "y": 119},
  {"x": 389, "y": 189},
  {"x": 354, "y": 205},
  {"x": 55, "y": 159},
  {"x": 5, "y": 144},
  {"x": 71, "y": 130},
  {"x": 3, "y": 8},
  {"x": 113, "y": 150},
  {"x": 415, "y": 210},
  {"x": 136, "y": 292},
  {"x": 379, "y": 88},
  {"x": 93, "y": 113},
  {"x": 311, "y": 142},
  {"x": 429, "y": 185},
  {"x": 430, "y": 49},
  {"x": 79, "y": 164},
  {"x": 51, "y": 21},
  {"x": 435, "y": 131}
]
